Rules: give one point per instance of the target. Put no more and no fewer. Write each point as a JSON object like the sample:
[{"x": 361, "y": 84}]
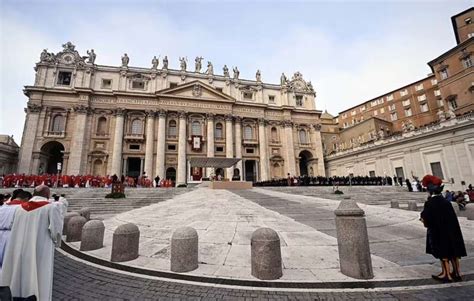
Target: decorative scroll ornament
[
  {"x": 68, "y": 56},
  {"x": 81, "y": 109},
  {"x": 298, "y": 84},
  {"x": 34, "y": 108}
]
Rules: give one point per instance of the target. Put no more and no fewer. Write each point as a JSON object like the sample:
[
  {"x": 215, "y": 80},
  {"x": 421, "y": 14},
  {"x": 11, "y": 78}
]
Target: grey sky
[{"x": 351, "y": 50}]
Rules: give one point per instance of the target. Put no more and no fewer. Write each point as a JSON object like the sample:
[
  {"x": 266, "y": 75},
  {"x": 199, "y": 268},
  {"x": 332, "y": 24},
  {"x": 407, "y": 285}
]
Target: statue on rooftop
[
  {"x": 236, "y": 72},
  {"x": 226, "y": 71},
  {"x": 258, "y": 76},
  {"x": 125, "y": 60},
  {"x": 183, "y": 63},
  {"x": 198, "y": 64},
  {"x": 92, "y": 56},
  {"x": 210, "y": 69},
  {"x": 165, "y": 62},
  {"x": 154, "y": 62}
]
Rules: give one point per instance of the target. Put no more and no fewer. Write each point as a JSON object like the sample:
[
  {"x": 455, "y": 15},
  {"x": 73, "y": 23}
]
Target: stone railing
[
  {"x": 130, "y": 136},
  {"x": 400, "y": 136},
  {"x": 55, "y": 134}
]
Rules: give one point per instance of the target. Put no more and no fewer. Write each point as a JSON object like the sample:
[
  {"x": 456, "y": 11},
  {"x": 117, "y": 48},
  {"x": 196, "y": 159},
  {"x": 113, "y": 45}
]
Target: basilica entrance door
[
  {"x": 304, "y": 157},
  {"x": 51, "y": 155},
  {"x": 196, "y": 172},
  {"x": 133, "y": 167},
  {"x": 250, "y": 170}
]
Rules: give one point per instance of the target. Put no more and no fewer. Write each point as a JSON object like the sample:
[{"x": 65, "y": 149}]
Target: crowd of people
[
  {"x": 77, "y": 181},
  {"x": 331, "y": 181},
  {"x": 31, "y": 228}
]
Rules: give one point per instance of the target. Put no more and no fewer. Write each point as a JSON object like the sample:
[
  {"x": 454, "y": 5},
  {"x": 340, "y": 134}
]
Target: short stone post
[
  {"x": 266, "y": 254},
  {"x": 353, "y": 241},
  {"x": 92, "y": 235},
  {"x": 412, "y": 206},
  {"x": 470, "y": 212},
  {"x": 74, "y": 228},
  {"x": 67, "y": 217},
  {"x": 455, "y": 207},
  {"x": 184, "y": 250},
  {"x": 394, "y": 204},
  {"x": 85, "y": 212},
  {"x": 125, "y": 243}
]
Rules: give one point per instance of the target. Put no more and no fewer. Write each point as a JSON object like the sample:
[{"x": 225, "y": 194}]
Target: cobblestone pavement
[{"x": 75, "y": 280}]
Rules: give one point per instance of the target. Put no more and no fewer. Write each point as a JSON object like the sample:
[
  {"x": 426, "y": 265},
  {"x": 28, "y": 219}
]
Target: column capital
[
  {"x": 162, "y": 113},
  {"x": 210, "y": 116},
  {"x": 150, "y": 113},
  {"x": 238, "y": 119},
  {"x": 81, "y": 109},
  {"x": 262, "y": 121},
  {"x": 228, "y": 117},
  {"x": 119, "y": 112},
  {"x": 33, "y": 108},
  {"x": 316, "y": 126},
  {"x": 182, "y": 114},
  {"x": 287, "y": 123}
]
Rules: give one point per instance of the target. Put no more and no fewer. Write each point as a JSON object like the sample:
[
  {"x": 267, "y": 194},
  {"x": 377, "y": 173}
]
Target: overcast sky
[{"x": 352, "y": 51}]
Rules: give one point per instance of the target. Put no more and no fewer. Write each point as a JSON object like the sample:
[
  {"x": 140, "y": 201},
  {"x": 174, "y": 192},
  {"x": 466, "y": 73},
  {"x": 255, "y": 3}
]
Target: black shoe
[
  {"x": 444, "y": 279},
  {"x": 456, "y": 278}
]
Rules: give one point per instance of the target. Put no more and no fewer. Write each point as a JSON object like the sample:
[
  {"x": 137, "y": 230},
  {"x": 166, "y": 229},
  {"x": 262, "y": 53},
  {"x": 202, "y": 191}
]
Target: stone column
[
  {"x": 318, "y": 149},
  {"x": 27, "y": 142},
  {"x": 210, "y": 141},
  {"x": 229, "y": 144},
  {"x": 150, "y": 135},
  {"x": 118, "y": 141},
  {"x": 290, "y": 150},
  {"x": 238, "y": 145},
  {"x": 181, "y": 176},
  {"x": 76, "y": 165},
  {"x": 263, "y": 150},
  {"x": 160, "y": 145}
]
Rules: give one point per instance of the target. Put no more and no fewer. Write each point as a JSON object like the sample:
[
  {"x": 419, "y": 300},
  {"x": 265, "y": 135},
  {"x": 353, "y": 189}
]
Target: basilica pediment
[{"x": 195, "y": 90}]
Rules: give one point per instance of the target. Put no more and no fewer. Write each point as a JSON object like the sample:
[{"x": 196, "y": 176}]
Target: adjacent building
[{"x": 8, "y": 155}]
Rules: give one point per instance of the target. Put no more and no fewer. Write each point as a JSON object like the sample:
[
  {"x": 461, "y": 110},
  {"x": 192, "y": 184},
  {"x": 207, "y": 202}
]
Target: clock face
[
  {"x": 299, "y": 85},
  {"x": 68, "y": 59}
]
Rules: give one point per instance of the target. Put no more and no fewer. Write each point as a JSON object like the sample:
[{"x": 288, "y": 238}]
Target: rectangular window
[
  {"x": 299, "y": 100},
  {"x": 467, "y": 62},
  {"x": 372, "y": 173},
  {"x": 437, "y": 92},
  {"x": 421, "y": 97},
  {"x": 134, "y": 147},
  {"x": 173, "y": 85},
  {"x": 408, "y": 112},
  {"x": 106, "y": 84},
  {"x": 64, "y": 78},
  {"x": 393, "y": 116},
  {"x": 344, "y": 115},
  {"x": 362, "y": 109},
  {"x": 373, "y": 103},
  {"x": 353, "y": 113},
  {"x": 138, "y": 84},
  {"x": 375, "y": 113},
  {"x": 419, "y": 87},
  {"x": 171, "y": 147},
  {"x": 391, "y": 107},
  {"x": 399, "y": 172},
  {"x": 382, "y": 110},
  {"x": 249, "y": 150},
  {"x": 247, "y": 95},
  {"x": 468, "y": 21},
  {"x": 271, "y": 99},
  {"x": 380, "y": 101},
  {"x": 444, "y": 73},
  {"x": 453, "y": 105},
  {"x": 219, "y": 149},
  {"x": 424, "y": 107},
  {"x": 390, "y": 97},
  {"x": 434, "y": 82},
  {"x": 440, "y": 103},
  {"x": 404, "y": 92},
  {"x": 437, "y": 170},
  {"x": 219, "y": 89},
  {"x": 406, "y": 102}
]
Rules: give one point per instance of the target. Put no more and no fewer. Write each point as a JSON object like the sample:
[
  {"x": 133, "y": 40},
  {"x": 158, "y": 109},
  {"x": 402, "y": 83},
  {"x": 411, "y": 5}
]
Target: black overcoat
[{"x": 444, "y": 237}]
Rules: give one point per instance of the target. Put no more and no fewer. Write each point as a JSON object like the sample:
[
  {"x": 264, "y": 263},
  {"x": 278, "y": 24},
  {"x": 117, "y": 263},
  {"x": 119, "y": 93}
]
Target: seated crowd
[
  {"x": 77, "y": 181},
  {"x": 326, "y": 181}
]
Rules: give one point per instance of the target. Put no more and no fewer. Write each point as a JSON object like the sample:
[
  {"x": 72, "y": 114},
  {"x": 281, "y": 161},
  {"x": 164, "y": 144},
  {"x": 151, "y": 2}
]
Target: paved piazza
[{"x": 305, "y": 224}]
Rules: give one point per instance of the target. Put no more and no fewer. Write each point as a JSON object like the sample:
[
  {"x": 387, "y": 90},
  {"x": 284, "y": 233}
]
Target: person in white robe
[{"x": 29, "y": 256}]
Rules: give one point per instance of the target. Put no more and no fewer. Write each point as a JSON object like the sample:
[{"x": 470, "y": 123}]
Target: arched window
[
  {"x": 102, "y": 125},
  {"x": 196, "y": 128},
  {"x": 58, "y": 124},
  {"x": 303, "y": 138},
  {"x": 248, "y": 132},
  {"x": 218, "y": 132},
  {"x": 172, "y": 131},
  {"x": 137, "y": 126},
  {"x": 274, "y": 134}
]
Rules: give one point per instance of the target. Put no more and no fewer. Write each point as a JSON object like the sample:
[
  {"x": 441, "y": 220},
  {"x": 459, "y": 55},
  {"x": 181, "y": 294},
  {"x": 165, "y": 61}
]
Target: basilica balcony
[
  {"x": 55, "y": 134},
  {"x": 134, "y": 137},
  {"x": 250, "y": 142},
  {"x": 101, "y": 135}
]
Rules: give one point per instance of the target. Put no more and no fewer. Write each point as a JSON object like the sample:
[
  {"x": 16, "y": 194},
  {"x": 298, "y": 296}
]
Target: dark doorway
[
  {"x": 171, "y": 174},
  {"x": 250, "y": 170},
  {"x": 304, "y": 157},
  {"x": 133, "y": 165},
  {"x": 52, "y": 152}
]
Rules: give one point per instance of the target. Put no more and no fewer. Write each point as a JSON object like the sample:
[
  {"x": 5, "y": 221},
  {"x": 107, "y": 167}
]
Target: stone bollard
[
  {"x": 74, "y": 228},
  {"x": 455, "y": 207},
  {"x": 353, "y": 241},
  {"x": 67, "y": 217},
  {"x": 85, "y": 212},
  {"x": 266, "y": 254},
  {"x": 125, "y": 243},
  {"x": 184, "y": 250},
  {"x": 92, "y": 235},
  {"x": 412, "y": 206},
  {"x": 470, "y": 212},
  {"x": 394, "y": 204}
]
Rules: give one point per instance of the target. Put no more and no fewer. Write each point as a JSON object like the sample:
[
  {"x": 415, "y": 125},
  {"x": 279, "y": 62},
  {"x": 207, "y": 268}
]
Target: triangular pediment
[{"x": 196, "y": 90}]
